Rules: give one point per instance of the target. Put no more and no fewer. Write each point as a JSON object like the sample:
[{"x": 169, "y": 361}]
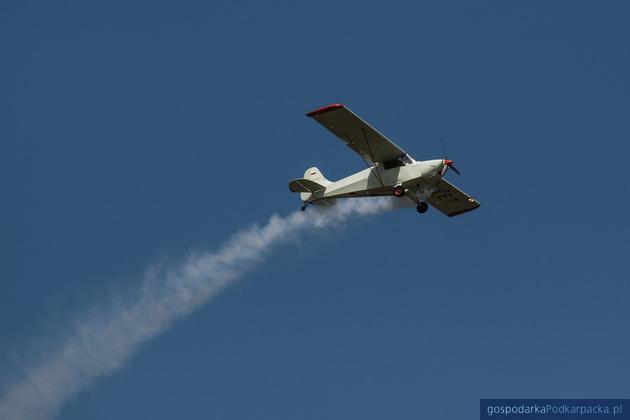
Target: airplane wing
[
  {"x": 371, "y": 145},
  {"x": 450, "y": 200}
]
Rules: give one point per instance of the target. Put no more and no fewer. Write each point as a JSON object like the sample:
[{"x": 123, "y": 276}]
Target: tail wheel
[
  {"x": 399, "y": 191},
  {"x": 422, "y": 207}
]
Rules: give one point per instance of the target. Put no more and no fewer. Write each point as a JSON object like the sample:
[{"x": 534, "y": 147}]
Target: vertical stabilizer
[{"x": 315, "y": 175}]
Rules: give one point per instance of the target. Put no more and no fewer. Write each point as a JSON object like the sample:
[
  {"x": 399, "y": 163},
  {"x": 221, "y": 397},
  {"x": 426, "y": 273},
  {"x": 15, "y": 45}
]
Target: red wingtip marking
[{"x": 323, "y": 109}]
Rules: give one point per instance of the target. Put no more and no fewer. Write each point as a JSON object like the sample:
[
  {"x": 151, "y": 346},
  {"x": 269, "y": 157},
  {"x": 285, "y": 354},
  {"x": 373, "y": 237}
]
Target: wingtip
[
  {"x": 457, "y": 213},
  {"x": 324, "y": 109}
]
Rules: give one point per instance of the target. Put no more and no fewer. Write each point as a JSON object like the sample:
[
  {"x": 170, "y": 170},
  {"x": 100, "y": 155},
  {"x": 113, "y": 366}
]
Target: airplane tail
[
  {"x": 313, "y": 183},
  {"x": 314, "y": 174}
]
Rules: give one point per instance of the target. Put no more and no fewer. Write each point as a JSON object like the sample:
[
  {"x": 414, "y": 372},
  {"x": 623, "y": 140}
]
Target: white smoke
[{"x": 102, "y": 341}]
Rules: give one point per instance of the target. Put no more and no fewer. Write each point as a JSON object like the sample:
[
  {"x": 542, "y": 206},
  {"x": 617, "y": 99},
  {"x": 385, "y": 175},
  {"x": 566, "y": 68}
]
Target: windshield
[{"x": 398, "y": 162}]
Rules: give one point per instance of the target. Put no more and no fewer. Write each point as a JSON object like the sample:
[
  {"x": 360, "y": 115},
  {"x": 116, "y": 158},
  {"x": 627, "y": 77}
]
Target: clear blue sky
[{"x": 135, "y": 130}]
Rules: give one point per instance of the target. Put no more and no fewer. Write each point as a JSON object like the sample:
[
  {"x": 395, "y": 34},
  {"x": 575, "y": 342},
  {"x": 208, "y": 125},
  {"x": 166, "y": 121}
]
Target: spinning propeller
[{"x": 448, "y": 164}]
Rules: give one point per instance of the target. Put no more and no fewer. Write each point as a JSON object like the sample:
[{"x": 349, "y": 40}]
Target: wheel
[
  {"x": 422, "y": 207},
  {"x": 399, "y": 191},
  {"x": 303, "y": 207}
]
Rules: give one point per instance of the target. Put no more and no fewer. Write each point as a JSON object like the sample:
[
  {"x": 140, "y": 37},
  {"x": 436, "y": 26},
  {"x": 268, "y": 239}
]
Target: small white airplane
[{"x": 391, "y": 171}]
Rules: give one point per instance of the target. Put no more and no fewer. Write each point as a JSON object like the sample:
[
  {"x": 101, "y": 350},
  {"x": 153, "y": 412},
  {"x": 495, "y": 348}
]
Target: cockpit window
[
  {"x": 399, "y": 161},
  {"x": 407, "y": 160}
]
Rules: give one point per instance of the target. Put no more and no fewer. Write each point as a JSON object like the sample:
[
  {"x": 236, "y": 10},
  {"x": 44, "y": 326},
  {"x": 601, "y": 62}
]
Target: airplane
[{"x": 390, "y": 170}]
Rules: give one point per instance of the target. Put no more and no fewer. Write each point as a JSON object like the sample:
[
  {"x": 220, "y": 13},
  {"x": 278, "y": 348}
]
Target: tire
[{"x": 422, "y": 207}]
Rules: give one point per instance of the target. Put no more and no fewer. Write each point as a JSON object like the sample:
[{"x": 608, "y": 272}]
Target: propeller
[{"x": 448, "y": 164}]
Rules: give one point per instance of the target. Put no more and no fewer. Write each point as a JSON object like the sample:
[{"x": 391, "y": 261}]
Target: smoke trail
[{"x": 104, "y": 340}]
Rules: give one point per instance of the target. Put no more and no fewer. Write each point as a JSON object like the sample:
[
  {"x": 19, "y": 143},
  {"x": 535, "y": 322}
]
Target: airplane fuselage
[{"x": 416, "y": 177}]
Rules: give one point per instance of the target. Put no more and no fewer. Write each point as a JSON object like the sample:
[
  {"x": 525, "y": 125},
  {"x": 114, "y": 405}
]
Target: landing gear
[
  {"x": 304, "y": 207},
  {"x": 399, "y": 191},
  {"x": 422, "y": 207}
]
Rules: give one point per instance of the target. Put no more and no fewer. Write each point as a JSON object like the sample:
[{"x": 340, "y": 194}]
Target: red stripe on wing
[{"x": 323, "y": 109}]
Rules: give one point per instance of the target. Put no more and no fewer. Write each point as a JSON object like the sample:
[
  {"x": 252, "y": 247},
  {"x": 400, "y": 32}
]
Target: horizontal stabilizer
[{"x": 305, "y": 185}]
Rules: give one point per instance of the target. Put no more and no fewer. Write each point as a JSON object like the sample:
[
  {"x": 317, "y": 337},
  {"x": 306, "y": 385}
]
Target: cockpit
[{"x": 398, "y": 162}]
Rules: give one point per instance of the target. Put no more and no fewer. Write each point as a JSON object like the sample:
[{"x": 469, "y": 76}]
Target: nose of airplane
[{"x": 448, "y": 164}]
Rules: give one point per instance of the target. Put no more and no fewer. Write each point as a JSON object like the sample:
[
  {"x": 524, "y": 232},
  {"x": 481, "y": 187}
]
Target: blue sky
[{"x": 134, "y": 132}]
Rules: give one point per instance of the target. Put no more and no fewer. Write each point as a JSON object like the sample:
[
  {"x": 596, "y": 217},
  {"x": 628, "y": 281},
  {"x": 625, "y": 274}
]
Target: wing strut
[{"x": 378, "y": 174}]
